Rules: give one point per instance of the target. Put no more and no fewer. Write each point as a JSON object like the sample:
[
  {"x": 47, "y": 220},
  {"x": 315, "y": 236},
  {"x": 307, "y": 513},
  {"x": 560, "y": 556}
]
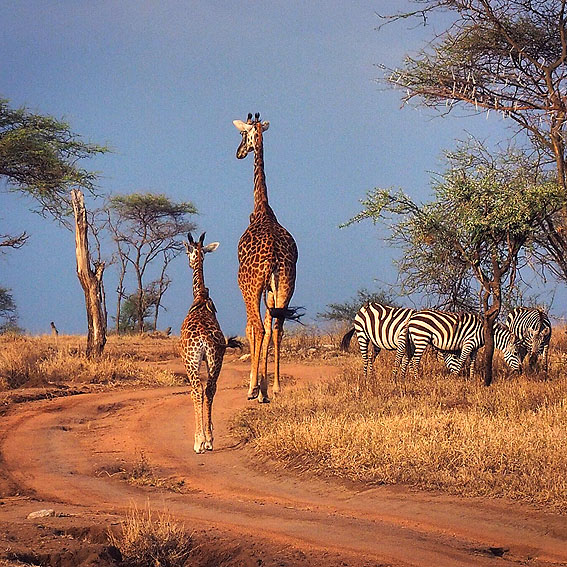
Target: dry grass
[
  {"x": 304, "y": 342},
  {"x": 143, "y": 474},
  {"x": 40, "y": 361},
  {"x": 438, "y": 432},
  {"x": 150, "y": 541}
]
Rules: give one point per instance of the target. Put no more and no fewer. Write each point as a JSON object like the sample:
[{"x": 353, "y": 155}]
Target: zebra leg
[
  {"x": 472, "y": 369},
  {"x": 402, "y": 357},
  {"x": 545, "y": 354},
  {"x": 419, "y": 349},
  {"x": 374, "y": 350},
  {"x": 468, "y": 350},
  {"x": 363, "y": 344}
]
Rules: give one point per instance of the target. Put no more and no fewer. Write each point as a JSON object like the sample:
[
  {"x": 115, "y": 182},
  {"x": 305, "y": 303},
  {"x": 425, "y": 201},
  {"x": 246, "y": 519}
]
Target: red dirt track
[{"x": 64, "y": 453}]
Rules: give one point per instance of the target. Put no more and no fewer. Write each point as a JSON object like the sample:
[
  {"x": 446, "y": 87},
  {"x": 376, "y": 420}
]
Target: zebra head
[
  {"x": 251, "y": 131},
  {"x": 536, "y": 338},
  {"x": 512, "y": 355}
]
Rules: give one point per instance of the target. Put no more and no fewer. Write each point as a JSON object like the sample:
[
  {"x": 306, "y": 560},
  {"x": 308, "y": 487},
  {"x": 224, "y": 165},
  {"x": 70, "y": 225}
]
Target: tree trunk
[
  {"x": 90, "y": 280},
  {"x": 140, "y": 305},
  {"x": 120, "y": 293},
  {"x": 488, "y": 330},
  {"x": 489, "y": 316}
]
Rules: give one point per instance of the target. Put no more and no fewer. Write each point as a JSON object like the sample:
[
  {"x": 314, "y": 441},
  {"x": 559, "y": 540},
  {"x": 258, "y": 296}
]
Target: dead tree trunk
[{"x": 90, "y": 280}]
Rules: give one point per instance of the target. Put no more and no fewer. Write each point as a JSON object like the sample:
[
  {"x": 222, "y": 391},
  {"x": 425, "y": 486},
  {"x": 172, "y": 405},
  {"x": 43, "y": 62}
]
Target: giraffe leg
[
  {"x": 283, "y": 285},
  {"x": 214, "y": 364},
  {"x": 278, "y": 335},
  {"x": 263, "y": 365},
  {"x": 192, "y": 366},
  {"x": 255, "y": 335}
]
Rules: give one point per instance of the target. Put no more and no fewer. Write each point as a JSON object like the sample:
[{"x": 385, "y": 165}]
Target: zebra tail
[
  {"x": 287, "y": 313},
  {"x": 345, "y": 342}
]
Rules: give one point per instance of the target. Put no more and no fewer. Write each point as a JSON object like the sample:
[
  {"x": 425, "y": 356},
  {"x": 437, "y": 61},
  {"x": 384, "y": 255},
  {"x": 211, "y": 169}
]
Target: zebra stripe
[
  {"x": 533, "y": 330},
  {"x": 448, "y": 332},
  {"x": 377, "y": 327},
  {"x": 504, "y": 341}
]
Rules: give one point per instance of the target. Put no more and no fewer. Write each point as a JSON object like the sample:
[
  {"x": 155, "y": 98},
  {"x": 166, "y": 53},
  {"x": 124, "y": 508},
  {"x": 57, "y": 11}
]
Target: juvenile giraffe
[
  {"x": 202, "y": 339},
  {"x": 267, "y": 256}
]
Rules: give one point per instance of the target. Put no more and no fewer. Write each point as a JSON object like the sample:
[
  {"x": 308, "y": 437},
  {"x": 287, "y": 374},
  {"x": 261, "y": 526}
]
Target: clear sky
[{"x": 161, "y": 82}]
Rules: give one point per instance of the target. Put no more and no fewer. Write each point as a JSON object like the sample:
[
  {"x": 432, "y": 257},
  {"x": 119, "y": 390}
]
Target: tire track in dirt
[{"x": 67, "y": 450}]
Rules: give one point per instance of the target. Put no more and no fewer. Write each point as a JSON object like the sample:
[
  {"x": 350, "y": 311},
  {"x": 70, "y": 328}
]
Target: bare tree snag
[{"x": 90, "y": 279}]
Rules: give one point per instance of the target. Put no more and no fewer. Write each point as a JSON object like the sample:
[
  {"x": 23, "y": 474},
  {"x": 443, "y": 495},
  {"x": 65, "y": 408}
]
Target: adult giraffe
[{"x": 267, "y": 255}]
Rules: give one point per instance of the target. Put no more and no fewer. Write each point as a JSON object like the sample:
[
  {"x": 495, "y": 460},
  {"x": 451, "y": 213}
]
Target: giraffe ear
[
  {"x": 211, "y": 247},
  {"x": 242, "y": 126},
  {"x": 265, "y": 126}
]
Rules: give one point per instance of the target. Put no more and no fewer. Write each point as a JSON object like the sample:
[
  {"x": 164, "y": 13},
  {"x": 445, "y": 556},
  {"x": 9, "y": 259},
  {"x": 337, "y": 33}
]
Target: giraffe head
[
  {"x": 251, "y": 131},
  {"x": 196, "y": 250}
]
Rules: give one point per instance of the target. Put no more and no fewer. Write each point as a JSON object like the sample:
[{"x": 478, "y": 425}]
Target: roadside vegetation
[
  {"x": 438, "y": 432},
  {"x": 45, "y": 360},
  {"x": 149, "y": 539}
]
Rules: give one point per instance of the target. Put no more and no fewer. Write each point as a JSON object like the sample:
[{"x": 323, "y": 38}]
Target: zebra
[
  {"x": 451, "y": 333},
  {"x": 533, "y": 329},
  {"x": 504, "y": 341},
  {"x": 377, "y": 327}
]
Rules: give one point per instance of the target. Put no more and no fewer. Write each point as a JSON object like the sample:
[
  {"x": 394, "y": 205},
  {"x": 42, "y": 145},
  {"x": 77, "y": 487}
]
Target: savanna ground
[{"x": 337, "y": 471}]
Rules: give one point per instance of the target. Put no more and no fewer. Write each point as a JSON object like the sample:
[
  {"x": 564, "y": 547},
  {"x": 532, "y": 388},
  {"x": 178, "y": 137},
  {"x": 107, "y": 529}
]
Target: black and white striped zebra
[
  {"x": 504, "y": 341},
  {"x": 459, "y": 334},
  {"x": 377, "y": 327},
  {"x": 533, "y": 329}
]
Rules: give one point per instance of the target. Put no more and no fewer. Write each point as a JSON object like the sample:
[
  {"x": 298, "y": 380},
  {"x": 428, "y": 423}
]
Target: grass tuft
[{"x": 150, "y": 541}]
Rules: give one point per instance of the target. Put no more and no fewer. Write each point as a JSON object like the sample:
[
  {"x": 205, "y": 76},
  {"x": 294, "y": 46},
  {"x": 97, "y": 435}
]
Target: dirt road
[{"x": 66, "y": 453}]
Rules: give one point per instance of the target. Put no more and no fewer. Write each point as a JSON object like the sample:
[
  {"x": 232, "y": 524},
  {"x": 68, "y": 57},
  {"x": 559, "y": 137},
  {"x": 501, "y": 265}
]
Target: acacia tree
[
  {"x": 485, "y": 212},
  {"x": 146, "y": 227},
  {"x": 508, "y": 56},
  {"x": 8, "y": 311},
  {"x": 39, "y": 156}
]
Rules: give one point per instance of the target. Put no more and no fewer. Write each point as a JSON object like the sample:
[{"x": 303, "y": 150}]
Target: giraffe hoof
[
  {"x": 254, "y": 393},
  {"x": 264, "y": 400},
  {"x": 209, "y": 445}
]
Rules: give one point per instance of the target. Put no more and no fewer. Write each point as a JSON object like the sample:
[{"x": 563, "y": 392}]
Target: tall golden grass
[
  {"x": 43, "y": 360},
  {"x": 437, "y": 432}
]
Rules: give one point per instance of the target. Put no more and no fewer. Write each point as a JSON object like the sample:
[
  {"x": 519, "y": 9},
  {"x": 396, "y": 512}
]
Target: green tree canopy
[
  {"x": 39, "y": 156},
  {"x": 506, "y": 56}
]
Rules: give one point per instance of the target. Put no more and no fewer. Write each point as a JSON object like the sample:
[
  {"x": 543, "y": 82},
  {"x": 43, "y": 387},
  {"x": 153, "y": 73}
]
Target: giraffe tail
[
  {"x": 345, "y": 342},
  {"x": 288, "y": 313}
]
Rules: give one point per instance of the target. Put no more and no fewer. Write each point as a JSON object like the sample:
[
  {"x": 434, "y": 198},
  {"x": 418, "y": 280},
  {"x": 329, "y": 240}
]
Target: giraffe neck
[
  {"x": 199, "y": 289},
  {"x": 260, "y": 190}
]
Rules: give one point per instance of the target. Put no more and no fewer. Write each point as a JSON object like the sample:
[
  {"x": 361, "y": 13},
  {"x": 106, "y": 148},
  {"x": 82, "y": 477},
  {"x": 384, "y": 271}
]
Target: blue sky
[{"x": 161, "y": 82}]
